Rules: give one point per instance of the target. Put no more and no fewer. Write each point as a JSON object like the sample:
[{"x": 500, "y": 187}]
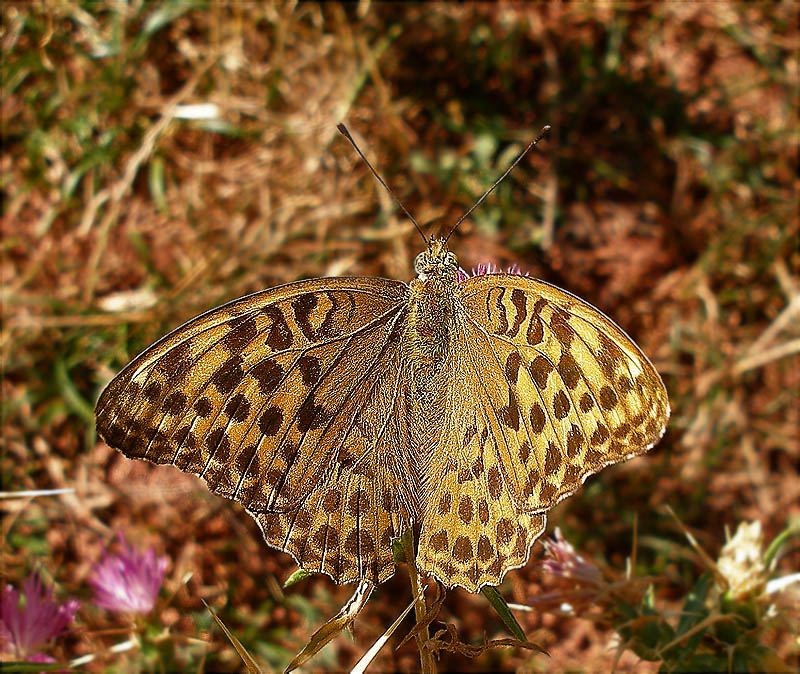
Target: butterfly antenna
[
  {"x": 343, "y": 130},
  {"x": 531, "y": 145}
]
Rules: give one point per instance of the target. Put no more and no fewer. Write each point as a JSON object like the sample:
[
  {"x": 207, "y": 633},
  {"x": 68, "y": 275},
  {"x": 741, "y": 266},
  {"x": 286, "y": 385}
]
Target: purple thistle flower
[
  {"x": 564, "y": 562},
  {"x": 128, "y": 582},
  {"x": 483, "y": 268},
  {"x": 24, "y": 628}
]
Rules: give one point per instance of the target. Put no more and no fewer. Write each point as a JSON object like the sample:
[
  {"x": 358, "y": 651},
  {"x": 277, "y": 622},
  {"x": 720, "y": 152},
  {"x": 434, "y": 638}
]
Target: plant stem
[{"x": 426, "y": 659}]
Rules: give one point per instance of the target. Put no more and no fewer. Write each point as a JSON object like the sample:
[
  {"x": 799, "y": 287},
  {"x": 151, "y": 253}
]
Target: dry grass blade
[
  {"x": 429, "y": 617},
  {"x": 32, "y": 493},
  {"x": 369, "y": 656},
  {"x": 343, "y": 619},
  {"x": 252, "y": 666},
  {"x": 447, "y": 639},
  {"x": 709, "y": 563}
]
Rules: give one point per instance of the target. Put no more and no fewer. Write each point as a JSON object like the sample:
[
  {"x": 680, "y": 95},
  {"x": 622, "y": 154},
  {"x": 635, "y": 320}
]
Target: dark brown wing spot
[
  {"x": 465, "y": 509},
  {"x": 477, "y": 466},
  {"x": 279, "y": 336},
  {"x": 483, "y": 511},
  {"x": 540, "y": 369},
  {"x": 152, "y": 391},
  {"x": 547, "y": 492},
  {"x": 538, "y": 418},
  {"x": 325, "y": 537},
  {"x": 203, "y": 407},
  {"x": 359, "y": 502},
  {"x": 485, "y": 549},
  {"x": 513, "y": 362},
  {"x": 176, "y": 362},
  {"x": 586, "y": 403},
  {"x": 303, "y": 521},
  {"x": 229, "y": 375},
  {"x": 462, "y": 549},
  {"x": 520, "y": 311},
  {"x": 608, "y": 399},
  {"x": 175, "y": 403},
  {"x": 240, "y": 335},
  {"x": 560, "y": 405},
  {"x": 552, "y": 459},
  {"x": 331, "y": 501},
  {"x": 218, "y": 444},
  {"x": 624, "y": 383},
  {"x": 574, "y": 441},
  {"x": 509, "y": 414},
  {"x": 367, "y": 544},
  {"x": 569, "y": 371},
  {"x": 302, "y": 306},
  {"x": 561, "y": 328},
  {"x": 309, "y": 367},
  {"x": 270, "y": 421},
  {"x": 268, "y": 374},
  {"x": 445, "y": 501},
  {"x": 525, "y": 451},
  {"x": 535, "y": 333},
  {"x": 600, "y": 435},
  {"x": 493, "y": 482},
  {"x": 310, "y": 415},
  {"x": 505, "y": 531},
  {"x": 439, "y": 541},
  {"x": 238, "y": 408}
]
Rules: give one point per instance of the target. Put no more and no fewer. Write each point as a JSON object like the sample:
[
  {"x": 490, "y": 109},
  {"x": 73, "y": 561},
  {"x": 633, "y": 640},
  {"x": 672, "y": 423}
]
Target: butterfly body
[{"x": 341, "y": 411}]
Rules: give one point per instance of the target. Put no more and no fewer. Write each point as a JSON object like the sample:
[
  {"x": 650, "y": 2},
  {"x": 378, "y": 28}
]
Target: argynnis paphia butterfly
[{"x": 340, "y": 411}]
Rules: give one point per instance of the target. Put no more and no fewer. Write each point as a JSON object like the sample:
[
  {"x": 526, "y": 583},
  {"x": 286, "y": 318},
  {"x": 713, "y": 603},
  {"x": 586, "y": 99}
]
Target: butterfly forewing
[
  {"x": 281, "y": 400},
  {"x": 569, "y": 391}
]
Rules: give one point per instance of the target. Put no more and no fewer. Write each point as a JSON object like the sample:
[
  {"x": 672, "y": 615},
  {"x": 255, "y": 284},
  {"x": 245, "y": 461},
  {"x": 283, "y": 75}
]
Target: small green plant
[{"x": 723, "y": 618}]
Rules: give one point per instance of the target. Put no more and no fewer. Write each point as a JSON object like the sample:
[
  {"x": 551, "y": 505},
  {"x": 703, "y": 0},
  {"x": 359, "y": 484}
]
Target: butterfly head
[{"x": 436, "y": 262}]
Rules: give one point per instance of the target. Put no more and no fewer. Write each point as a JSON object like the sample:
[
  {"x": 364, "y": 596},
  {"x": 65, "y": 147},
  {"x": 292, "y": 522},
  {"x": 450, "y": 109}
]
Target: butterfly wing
[
  {"x": 570, "y": 392},
  {"x": 472, "y": 530},
  {"x": 545, "y": 391},
  {"x": 279, "y": 400}
]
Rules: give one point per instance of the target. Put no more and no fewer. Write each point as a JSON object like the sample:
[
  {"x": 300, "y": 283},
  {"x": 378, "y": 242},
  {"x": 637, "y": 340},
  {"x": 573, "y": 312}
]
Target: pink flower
[
  {"x": 561, "y": 560},
  {"x": 484, "y": 268},
  {"x": 128, "y": 582},
  {"x": 26, "y": 627}
]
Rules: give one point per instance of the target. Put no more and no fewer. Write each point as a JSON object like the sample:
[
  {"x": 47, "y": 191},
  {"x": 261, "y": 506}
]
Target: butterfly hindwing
[
  {"x": 345, "y": 527},
  {"x": 570, "y": 391}
]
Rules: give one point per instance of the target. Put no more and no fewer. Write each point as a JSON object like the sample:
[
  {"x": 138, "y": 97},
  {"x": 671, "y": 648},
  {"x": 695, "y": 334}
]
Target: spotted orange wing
[
  {"x": 546, "y": 391},
  {"x": 570, "y": 392},
  {"x": 287, "y": 401}
]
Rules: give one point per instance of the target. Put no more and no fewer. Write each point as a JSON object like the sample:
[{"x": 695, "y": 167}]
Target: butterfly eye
[
  {"x": 419, "y": 262},
  {"x": 452, "y": 260}
]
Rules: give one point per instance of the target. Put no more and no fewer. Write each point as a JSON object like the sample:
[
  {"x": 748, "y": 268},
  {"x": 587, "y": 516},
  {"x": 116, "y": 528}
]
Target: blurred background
[{"x": 159, "y": 159}]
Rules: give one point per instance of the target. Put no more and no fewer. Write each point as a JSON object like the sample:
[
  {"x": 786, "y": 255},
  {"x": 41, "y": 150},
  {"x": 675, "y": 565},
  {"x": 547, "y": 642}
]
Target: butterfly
[{"x": 341, "y": 411}]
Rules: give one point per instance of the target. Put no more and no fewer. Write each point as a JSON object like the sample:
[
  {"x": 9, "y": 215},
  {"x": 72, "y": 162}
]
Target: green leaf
[
  {"x": 503, "y": 611},
  {"x": 249, "y": 662},
  {"x": 156, "y": 181},
  {"x": 693, "y": 613},
  {"x": 342, "y": 620},
  {"x": 296, "y": 577},
  {"x": 72, "y": 397}
]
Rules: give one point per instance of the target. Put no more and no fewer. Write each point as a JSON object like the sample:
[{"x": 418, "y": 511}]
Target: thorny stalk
[{"x": 427, "y": 661}]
